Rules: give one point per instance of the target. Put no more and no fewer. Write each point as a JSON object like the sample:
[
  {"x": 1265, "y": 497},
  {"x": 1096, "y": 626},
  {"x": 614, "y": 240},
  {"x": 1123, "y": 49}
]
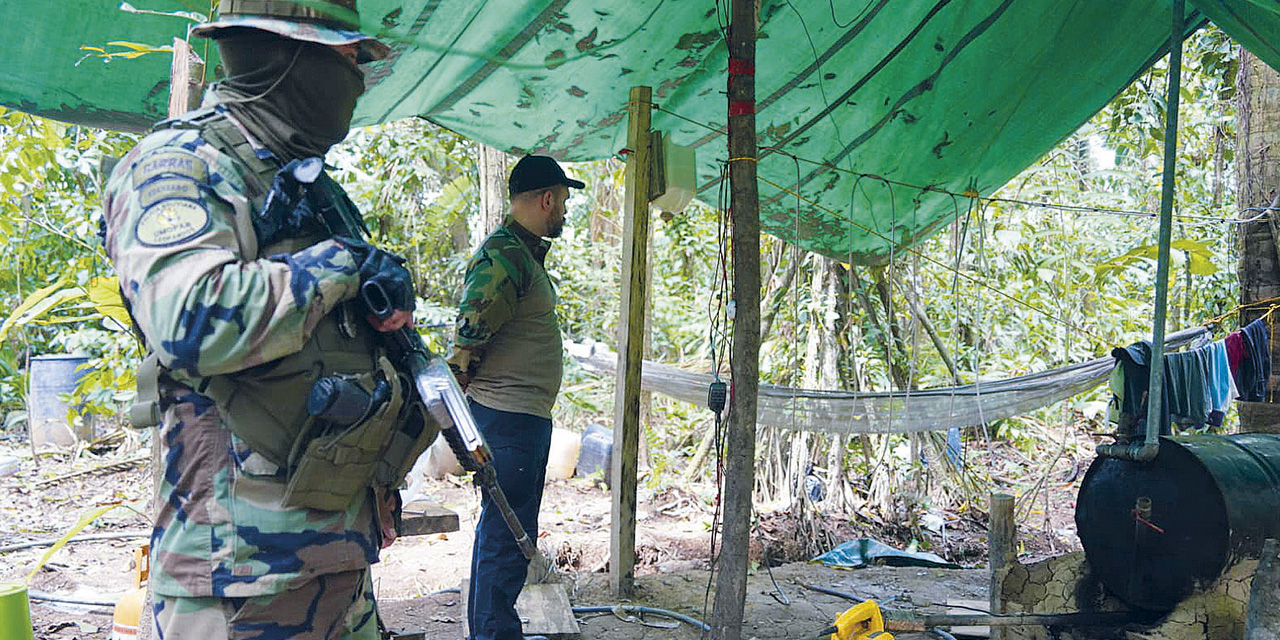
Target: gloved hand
[{"x": 385, "y": 282}]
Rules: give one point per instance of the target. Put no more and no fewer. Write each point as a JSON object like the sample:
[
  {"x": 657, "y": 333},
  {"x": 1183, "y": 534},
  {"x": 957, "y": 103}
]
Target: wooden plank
[
  {"x": 744, "y": 198},
  {"x": 626, "y": 423},
  {"x": 422, "y": 517},
  {"x": 544, "y": 610}
]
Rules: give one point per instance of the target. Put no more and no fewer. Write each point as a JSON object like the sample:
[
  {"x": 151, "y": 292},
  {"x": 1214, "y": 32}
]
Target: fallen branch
[
  {"x": 113, "y": 466},
  {"x": 120, "y": 535}
]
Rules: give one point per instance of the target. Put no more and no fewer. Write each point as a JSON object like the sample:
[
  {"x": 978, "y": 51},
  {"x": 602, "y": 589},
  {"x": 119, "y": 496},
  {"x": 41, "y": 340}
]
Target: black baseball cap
[{"x": 538, "y": 172}]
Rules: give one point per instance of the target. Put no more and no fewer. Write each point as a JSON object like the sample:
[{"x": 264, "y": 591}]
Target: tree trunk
[
  {"x": 1258, "y": 167},
  {"x": 493, "y": 190},
  {"x": 731, "y": 576}
]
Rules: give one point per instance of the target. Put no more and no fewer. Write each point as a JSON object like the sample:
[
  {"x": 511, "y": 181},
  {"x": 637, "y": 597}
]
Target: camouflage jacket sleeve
[
  {"x": 178, "y": 228},
  {"x": 496, "y": 277}
]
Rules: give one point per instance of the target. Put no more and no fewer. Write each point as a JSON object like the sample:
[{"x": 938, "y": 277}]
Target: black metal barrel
[{"x": 1156, "y": 531}]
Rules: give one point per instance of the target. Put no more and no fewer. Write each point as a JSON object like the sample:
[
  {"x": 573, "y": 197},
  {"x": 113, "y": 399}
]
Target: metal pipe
[{"x": 1150, "y": 446}]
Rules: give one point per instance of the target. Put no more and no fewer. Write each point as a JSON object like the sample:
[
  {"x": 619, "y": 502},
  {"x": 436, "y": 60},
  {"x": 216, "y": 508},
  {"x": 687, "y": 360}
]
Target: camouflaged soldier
[
  {"x": 240, "y": 260},
  {"x": 507, "y": 355}
]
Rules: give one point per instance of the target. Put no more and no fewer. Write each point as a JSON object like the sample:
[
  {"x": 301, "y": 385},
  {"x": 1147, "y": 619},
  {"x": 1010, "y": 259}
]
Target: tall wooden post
[
  {"x": 626, "y": 423},
  {"x": 731, "y": 582},
  {"x": 1002, "y": 535}
]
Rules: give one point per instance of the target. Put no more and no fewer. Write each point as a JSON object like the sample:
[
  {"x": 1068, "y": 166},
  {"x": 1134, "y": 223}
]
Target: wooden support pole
[
  {"x": 1263, "y": 619},
  {"x": 626, "y": 423},
  {"x": 186, "y": 79},
  {"x": 1001, "y": 537},
  {"x": 744, "y": 199}
]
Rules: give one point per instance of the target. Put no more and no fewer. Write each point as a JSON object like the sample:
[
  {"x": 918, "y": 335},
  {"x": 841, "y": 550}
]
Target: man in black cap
[{"x": 507, "y": 355}]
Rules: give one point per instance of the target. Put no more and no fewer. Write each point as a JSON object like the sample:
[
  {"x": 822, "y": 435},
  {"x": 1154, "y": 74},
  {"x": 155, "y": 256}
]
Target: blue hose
[{"x": 629, "y": 608}]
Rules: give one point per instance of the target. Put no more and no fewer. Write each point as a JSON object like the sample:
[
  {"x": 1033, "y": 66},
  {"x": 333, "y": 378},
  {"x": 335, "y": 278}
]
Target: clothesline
[{"x": 881, "y": 412}]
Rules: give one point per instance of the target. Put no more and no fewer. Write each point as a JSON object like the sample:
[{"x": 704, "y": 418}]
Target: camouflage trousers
[{"x": 337, "y": 606}]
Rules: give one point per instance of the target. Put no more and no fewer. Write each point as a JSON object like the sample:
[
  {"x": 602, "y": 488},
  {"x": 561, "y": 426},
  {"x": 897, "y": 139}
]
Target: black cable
[
  {"x": 832, "y": 592},
  {"x": 122, "y": 535},
  {"x": 41, "y": 596},
  {"x": 628, "y": 608},
  {"x": 824, "y": 634},
  {"x": 722, "y": 238},
  {"x": 822, "y": 85},
  {"x": 777, "y": 593},
  {"x": 855, "y": 18}
]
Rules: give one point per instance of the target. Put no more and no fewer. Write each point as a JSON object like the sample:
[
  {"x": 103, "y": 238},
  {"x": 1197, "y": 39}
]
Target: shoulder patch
[
  {"x": 171, "y": 222},
  {"x": 165, "y": 188},
  {"x": 175, "y": 162}
]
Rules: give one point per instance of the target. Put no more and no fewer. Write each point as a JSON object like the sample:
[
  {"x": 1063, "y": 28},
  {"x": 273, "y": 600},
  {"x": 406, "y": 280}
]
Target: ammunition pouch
[
  {"x": 145, "y": 410},
  {"x": 330, "y": 463}
]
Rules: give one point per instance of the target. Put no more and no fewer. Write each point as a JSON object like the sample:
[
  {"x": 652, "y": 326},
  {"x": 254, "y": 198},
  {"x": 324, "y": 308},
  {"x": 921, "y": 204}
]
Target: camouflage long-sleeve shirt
[
  {"x": 507, "y": 338},
  {"x": 178, "y": 227}
]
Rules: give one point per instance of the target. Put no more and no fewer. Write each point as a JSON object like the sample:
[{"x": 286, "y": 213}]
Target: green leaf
[
  {"x": 72, "y": 531},
  {"x": 104, "y": 293},
  {"x": 38, "y": 303}
]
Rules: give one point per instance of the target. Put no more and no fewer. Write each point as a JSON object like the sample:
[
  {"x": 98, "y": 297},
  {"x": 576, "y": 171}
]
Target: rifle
[{"x": 434, "y": 385}]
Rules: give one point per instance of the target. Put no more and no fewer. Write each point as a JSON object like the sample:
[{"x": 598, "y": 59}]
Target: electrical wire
[
  {"x": 852, "y": 597},
  {"x": 630, "y": 608},
  {"x": 894, "y": 244},
  {"x": 851, "y": 21},
  {"x": 40, "y": 596},
  {"x": 122, "y": 535},
  {"x": 973, "y": 194}
]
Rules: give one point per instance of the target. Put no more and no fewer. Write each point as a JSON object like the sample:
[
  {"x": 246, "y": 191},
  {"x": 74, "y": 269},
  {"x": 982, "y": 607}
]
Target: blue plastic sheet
[{"x": 862, "y": 552}]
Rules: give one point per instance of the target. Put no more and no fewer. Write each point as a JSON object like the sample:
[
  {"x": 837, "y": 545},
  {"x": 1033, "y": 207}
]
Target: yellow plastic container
[
  {"x": 128, "y": 613},
  {"x": 15, "y": 612}
]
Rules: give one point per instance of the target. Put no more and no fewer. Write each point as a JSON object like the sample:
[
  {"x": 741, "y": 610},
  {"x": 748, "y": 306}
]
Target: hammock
[{"x": 882, "y": 412}]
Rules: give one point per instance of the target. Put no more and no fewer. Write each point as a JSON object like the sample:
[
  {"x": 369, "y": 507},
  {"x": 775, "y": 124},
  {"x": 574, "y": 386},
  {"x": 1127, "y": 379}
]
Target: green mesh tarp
[{"x": 954, "y": 94}]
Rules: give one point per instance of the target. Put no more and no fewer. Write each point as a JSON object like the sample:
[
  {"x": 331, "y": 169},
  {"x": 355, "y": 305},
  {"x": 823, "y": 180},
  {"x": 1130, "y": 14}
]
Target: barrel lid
[
  {"x": 60, "y": 356},
  {"x": 11, "y": 588}
]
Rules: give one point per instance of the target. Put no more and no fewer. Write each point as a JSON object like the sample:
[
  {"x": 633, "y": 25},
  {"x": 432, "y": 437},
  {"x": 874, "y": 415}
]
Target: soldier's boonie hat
[
  {"x": 538, "y": 172},
  {"x": 333, "y": 25}
]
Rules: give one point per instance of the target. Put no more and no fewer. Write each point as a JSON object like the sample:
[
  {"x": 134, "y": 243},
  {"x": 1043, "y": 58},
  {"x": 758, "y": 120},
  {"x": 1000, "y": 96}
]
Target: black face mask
[{"x": 295, "y": 97}]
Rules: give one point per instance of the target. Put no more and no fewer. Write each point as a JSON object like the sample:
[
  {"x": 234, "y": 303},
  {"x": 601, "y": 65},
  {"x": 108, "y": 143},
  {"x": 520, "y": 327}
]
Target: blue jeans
[{"x": 521, "y": 444}]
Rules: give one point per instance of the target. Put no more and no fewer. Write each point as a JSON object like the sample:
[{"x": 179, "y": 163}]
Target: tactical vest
[{"x": 265, "y": 406}]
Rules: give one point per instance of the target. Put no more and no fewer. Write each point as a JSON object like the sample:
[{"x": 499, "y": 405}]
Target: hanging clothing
[
  {"x": 1185, "y": 391},
  {"x": 1235, "y": 351},
  {"x": 1255, "y": 369},
  {"x": 1218, "y": 382},
  {"x": 1134, "y": 362}
]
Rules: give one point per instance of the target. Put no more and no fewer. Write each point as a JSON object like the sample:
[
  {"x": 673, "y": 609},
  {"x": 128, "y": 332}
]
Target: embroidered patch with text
[
  {"x": 171, "y": 162},
  {"x": 165, "y": 188},
  {"x": 171, "y": 222}
]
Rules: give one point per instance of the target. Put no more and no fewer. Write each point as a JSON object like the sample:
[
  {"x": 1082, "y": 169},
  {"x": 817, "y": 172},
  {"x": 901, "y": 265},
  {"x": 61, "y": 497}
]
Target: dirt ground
[{"x": 42, "y": 500}]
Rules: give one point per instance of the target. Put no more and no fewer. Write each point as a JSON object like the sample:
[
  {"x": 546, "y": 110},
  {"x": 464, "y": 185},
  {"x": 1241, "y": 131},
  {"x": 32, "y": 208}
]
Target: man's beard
[{"x": 556, "y": 227}]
